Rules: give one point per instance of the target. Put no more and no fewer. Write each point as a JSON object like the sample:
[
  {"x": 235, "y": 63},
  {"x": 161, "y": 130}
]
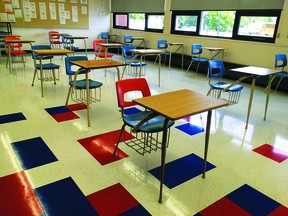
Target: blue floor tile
[
  {"x": 139, "y": 210},
  {"x": 64, "y": 198},
  {"x": 33, "y": 152},
  {"x": 252, "y": 201},
  {"x": 182, "y": 170},
  {"x": 12, "y": 118},
  {"x": 57, "y": 110},
  {"x": 190, "y": 129}
]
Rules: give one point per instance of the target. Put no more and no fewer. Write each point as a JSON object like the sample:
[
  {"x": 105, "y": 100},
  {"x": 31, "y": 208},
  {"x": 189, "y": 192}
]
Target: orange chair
[
  {"x": 14, "y": 51},
  {"x": 54, "y": 39},
  {"x": 100, "y": 51}
]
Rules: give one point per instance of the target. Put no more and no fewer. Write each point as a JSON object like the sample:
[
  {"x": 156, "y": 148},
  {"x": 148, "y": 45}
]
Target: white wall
[{"x": 242, "y": 52}]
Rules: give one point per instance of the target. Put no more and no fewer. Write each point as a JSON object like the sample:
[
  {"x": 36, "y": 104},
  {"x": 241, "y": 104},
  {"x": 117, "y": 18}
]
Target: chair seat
[
  {"x": 151, "y": 126},
  {"x": 102, "y": 55},
  {"x": 82, "y": 71},
  {"x": 200, "y": 59},
  {"x": 17, "y": 52},
  {"x": 136, "y": 64},
  {"x": 48, "y": 66},
  {"x": 81, "y": 84},
  {"x": 282, "y": 74},
  {"x": 223, "y": 85}
]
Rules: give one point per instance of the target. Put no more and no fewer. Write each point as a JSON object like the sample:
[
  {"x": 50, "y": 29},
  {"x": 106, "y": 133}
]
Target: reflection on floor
[{"x": 51, "y": 163}]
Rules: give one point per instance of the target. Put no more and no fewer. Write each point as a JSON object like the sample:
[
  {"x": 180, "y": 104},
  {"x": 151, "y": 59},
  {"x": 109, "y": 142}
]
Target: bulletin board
[{"x": 45, "y": 13}]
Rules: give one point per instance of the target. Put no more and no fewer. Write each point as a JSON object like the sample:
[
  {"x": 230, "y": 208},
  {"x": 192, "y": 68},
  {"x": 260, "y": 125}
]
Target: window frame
[
  {"x": 151, "y": 29},
  {"x": 114, "y": 21}
]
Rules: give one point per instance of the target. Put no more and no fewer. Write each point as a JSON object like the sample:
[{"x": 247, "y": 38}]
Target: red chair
[
  {"x": 14, "y": 51},
  {"x": 100, "y": 51},
  {"x": 54, "y": 39}
]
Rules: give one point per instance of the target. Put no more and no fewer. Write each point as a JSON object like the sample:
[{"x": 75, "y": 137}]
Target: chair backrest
[
  {"x": 127, "y": 53},
  {"x": 53, "y": 37},
  {"x": 96, "y": 45},
  {"x": 104, "y": 35},
  {"x": 128, "y": 39},
  {"x": 131, "y": 85},
  {"x": 280, "y": 61},
  {"x": 40, "y": 47},
  {"x": 14, "y": 45},
  {"x": 162, "y": 44},
  {"x": 196, "y": 49},
  {"x": 216, "y": 69},
  {"x": 68, "y": 65},
  {"x": 65, "y": 40}
]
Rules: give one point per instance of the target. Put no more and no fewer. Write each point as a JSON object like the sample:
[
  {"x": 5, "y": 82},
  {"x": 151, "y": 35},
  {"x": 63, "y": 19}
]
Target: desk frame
[
  {"x": 216, "y": 50},
  {"x": 180, "y": 46},
  {"x": 78, "y": 38},
  {"x": 185, "y": 103}
]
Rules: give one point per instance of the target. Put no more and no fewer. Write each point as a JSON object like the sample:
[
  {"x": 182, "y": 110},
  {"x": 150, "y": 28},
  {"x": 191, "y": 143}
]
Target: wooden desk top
[
  {"x": 53, "y": 52},
  {"x": 76, "y": 37},
  {"x": 97, "y": 64},
  {"x": 180, "y": 104},
  {"x": 175, "y": 43},
  {"x": 138, "y": 38},
  {"x": 259, "y": 71},
  {"x": 110, "y": 45},
  {"x": 214, "y": 48},
  {"x": 7, "y": 35},
  {"x": 147, "y": 51},
  {"x": 19, "y": 41}
]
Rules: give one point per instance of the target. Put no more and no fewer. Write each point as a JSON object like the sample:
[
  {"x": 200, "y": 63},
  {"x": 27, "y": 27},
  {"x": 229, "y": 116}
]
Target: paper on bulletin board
[
  {"x": 32, "y": 10},
  {"x": 74, "y": 14},
  {"x": 15, "y": 4},
  {"x": 11, "y": 18},
  {"x": 8, "y": 8},
  {"x": 3, "y": 17},
  {"x": 43, "y": 13},
  {"x": 18, "y": 13}
]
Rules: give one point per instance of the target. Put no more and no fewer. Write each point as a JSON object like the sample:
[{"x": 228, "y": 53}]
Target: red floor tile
[
  {"x": 101, "y": 146},
  {"x": 17, "y": 196},
  {"x": 280, "y": 211},
  {"x": 112, "y": 200},
  {"x": 65, "y": 116},
  {"x": 271, "y": 152},
  {"x": 224, "y": 207},
  {"x": 74, "y": 107}
]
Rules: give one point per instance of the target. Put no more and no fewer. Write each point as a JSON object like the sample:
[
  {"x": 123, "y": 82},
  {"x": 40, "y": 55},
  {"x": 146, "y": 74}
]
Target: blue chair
[
  {"x": 128, "y": 58},
  {"x": 128, "y": 40},
  {"x": 147, "y": 138},
  {"x": 216, "y": 71},
  {"x": 48, "y": 67},
  {"x": 196, "y": 51},
  {"x": 105, "y": 36},
  {"x": 163, "y": 45},
  {"x": 68, "y": 43},
  {"x": 280, "y": 63},
  {"x": 78, "y": 86}
]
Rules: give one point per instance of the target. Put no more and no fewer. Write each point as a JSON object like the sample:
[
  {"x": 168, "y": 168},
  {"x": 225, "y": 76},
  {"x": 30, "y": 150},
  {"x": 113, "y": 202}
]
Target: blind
[
  {"x": 226, "y": 4},
  {"x": 146, "y": 6}
]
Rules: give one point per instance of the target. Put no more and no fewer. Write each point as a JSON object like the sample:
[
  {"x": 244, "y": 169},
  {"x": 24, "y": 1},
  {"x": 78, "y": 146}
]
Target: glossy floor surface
[{"x": 51, "y": 163}]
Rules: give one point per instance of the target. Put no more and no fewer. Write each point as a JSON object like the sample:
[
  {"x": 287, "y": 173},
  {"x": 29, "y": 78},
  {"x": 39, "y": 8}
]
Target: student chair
[
  {"x": 148, "y": 136},
  {"x": 100, "y": 52},
  {"x": 218, "y": 88},
  {"x": 163, "y": 45},
  {"x": 128, "y": 57},
  {"x": 196, "y": 51},
  {"x": 105, "y": 36},
  {"x": 128, "y": 40},
  {"x": 280, "y": 63},
  {"x": 77, "y": 89},
  {"x": 48, "y": 67},
  {"x": 68, "y": 43},
  {"x": 54, "y": 39},
  {"x": 14, "y": 51}
]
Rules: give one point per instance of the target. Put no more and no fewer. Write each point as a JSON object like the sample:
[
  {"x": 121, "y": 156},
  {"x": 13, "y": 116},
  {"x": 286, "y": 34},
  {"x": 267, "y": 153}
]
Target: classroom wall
[
  {"x": 240, "y": 52},
  {"x": 99, "y": 20}
]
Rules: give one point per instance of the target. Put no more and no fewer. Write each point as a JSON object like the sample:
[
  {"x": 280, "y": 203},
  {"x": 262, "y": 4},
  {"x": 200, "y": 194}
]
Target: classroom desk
[
  {"x": 109, "y": 45},
  {"x": 144, "y": 52},
  {"x": 49, "y": 52},
  {"x": 79, "y": 38},
  {"x": 9, "y": 42},
  {"x": 92, "y": 65},
  {"x": 179, "y": 46},
  {"x": 177, "y": 105},
  {"x": 254, "y": 73},
  {"x": 141, "y": 39},
  {"x": 215, "y": 51}
]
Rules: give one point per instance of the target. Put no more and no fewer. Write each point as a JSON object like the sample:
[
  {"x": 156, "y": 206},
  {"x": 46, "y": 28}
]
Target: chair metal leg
[
  {"x": 189, "y": 67},
  {"x": 278, "y": 83},
  {"x": 67, "y": 99},
  {"x": 53, "y": 72},
  {"x": 35, "y": 72},
  {"x": 120, "y": 135}
]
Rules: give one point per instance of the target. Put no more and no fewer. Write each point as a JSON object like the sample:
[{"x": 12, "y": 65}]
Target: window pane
[
  {"x": 257, "y": 26},
  {"x": 121, "y": 20},
  {"x": 137, "y": 21},
  {"x": 186, "y": 23},
  {"x": 155, "y": 22},
  {"x": 217, "y": 23}
]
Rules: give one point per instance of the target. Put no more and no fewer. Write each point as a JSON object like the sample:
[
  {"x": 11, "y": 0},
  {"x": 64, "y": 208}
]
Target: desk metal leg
[
  {"x": 159, "y": 68},
  {"x": 88, "y": 98},
  {"x": 169, "y": 59},
  {"x": 250, "y": 101},
  {"x": 41, "y": 77},
  {"x": 118, "y": 73},
  {"x": 85, "y": 48},
  {"x": 163, "y": 157},
  {"x": 207, "y": 136},
  {"x": 268, "y": 95}
]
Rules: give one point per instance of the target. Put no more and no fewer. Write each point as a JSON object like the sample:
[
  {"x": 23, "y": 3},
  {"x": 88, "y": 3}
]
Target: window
[
  {"x": 137, "y": 21},
  {"x": 155, "y": 22},
  {"x": 120, "y": 21},
  {"x": 217, "y": 23},
  {"x": 185, "y": 22}
]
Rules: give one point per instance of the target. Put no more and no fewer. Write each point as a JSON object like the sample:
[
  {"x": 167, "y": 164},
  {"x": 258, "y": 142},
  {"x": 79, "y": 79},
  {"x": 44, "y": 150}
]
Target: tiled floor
[{"x": 51, "y": 163}]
